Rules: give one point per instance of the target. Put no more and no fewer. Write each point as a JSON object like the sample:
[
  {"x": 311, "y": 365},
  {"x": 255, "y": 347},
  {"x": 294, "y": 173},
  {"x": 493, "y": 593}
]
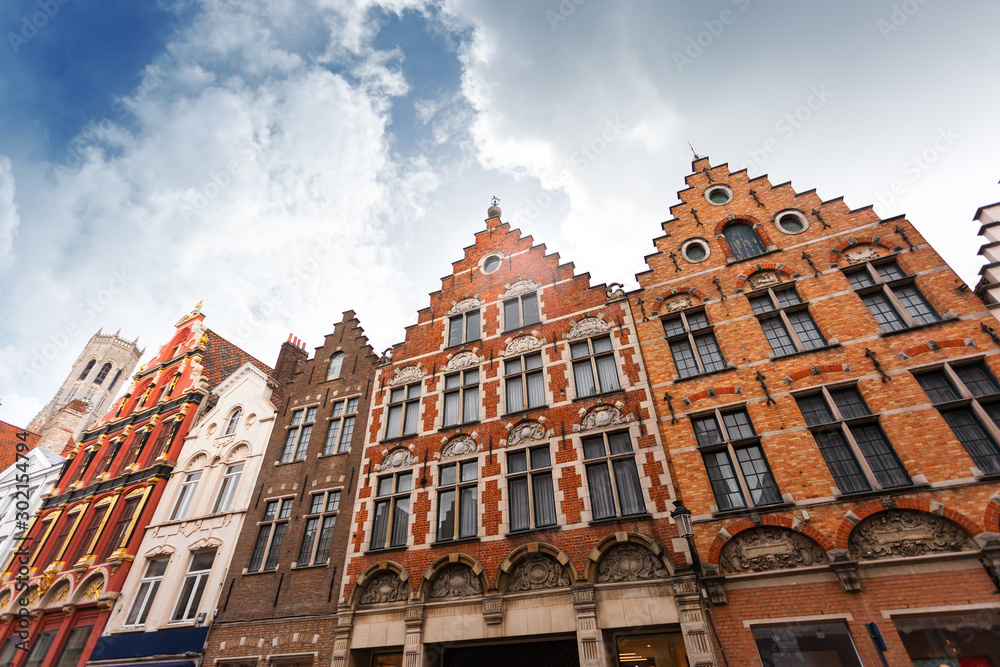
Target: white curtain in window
[
  {"x": 515, "y": 402},
  {"x": 395, "y": 413},
  {"x": 410, "y": 424},
  {"x": 545, "y": 503},
  {"x": 607, "y": 374},
  {"x": 629, "y": 490},
  {"x": 584, "y": 377},
  {"x": 469, "y": 509},
  {"x": 471, "y": 411},
  {"x": 536, "y": 390},
  {"x": 601, "y": 499},
  {"x": 380, "y": 524},
  {"x": 519, "y": 504},
  {"x": 450, "y": 409},
  {"x": 401, "y": 522}
]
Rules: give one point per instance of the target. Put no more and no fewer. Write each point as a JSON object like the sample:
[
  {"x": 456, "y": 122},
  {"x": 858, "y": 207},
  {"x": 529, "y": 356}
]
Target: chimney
[
  {"x": 289, "y": 358},
  {"x": 59, "y": 434}
]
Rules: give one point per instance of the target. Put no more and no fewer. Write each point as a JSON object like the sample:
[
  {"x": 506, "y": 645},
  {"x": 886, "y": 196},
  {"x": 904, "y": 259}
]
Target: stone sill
[
  {"x": 599, "y": 396},
  {"x": 918, "y": 327},
  {"x": 645, "y": 516}
]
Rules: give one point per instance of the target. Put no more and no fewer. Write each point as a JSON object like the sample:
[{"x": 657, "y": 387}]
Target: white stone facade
[
  {"x": 42, "y": 468},
  {"x": 201, "y": 511}
]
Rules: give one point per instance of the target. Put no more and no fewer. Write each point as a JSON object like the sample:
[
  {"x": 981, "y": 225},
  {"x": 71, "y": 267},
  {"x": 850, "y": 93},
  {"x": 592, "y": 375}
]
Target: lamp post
[{"x": 682, "y": 516}]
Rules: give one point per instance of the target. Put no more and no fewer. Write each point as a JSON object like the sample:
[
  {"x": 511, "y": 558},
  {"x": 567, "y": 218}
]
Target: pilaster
[{"x": 697, "y": 639}]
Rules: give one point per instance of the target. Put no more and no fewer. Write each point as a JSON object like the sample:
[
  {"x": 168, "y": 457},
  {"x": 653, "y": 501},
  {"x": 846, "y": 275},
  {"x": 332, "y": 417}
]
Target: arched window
[
  {"x": 115, "y": 381},
  {"x": 86, "y": 371},
  {"x": 234, "y": 419},
  {"x": 336, "y": 361},
  {"x": 743, "y": 241},
  {"x": 103, "y": 373}
]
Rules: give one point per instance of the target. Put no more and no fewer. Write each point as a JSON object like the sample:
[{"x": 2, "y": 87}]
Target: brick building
[
  {"x": 514, "y": 499},
  {"x": 58, "y": 591},
  {"x": 279, "y": 600},
  {"x": 827, "y": 392}
]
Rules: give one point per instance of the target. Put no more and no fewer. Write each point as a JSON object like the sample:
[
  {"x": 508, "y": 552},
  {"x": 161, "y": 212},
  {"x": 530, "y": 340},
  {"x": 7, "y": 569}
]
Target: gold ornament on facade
[{"x": 93, "y": 589}]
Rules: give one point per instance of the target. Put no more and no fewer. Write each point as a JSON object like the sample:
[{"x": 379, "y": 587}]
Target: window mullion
[
  {"x": 859, "y": 456},
  {"x": 956, "y": 382},
  {"x": 694, "y": 350},
  {"x": 904, "y": 314},
  {"x": 614, "y": 483},
  {"x": 738, "y": 469},
  {"x": 790, "y": 329}
]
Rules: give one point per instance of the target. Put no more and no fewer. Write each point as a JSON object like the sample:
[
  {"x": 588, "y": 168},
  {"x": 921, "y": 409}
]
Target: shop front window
[
  {"x": 666, "y": 650},
  {"x": 955, "y": 640},
  {"x": 829, "y": 644}
]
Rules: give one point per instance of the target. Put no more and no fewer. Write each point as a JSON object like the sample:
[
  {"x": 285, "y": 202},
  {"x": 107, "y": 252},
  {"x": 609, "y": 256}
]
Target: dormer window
[
  {"x": 336, "y": 362},
  {"x": 234, "y": 419}
]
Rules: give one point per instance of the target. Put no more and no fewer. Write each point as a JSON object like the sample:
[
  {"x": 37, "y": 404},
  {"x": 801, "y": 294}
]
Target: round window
[
  {"x": 719, "y": 195},
  {"x": 491, "y": 264},
  {"x": 695, "y": 250},
  {"x": 791, "y": 222}
]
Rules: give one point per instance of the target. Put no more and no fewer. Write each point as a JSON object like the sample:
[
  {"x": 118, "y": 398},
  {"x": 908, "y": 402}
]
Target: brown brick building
[
  {"x": 514, "y": 498},
  {"x": 828, "y": 397},
  {"x": 279, "y": 604}
]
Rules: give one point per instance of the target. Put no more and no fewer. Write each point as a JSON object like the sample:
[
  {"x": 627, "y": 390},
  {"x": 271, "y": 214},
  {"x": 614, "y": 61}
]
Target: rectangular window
[
  {"x": 87, "y": 545},
  {"x": 120, "y": 535},
  {"x": 318, "y": 534},
  {"x": 60, "y": 541},
  {"x": 612, "y": 476},
  {"x": 403, "y": 410},
  {"x": 230, "y": 482},
  {"x": 594, "y": 368},
  {"x": 851, "y": 441},
  {"x": 734, "y": 459},
  {"x": 529, "y": 488},
  {"x": 458, "y": 504},
  {"x": 164, "y": 440},
  {"x": 891, "y": 296},
  {"x": 340, "y": 428},
  {"x": 692, "y": 344},
  {"x": 270, "y": 535},
  {"x": 298, "y": 434},
  {"x": 520, "y": 312},
  {"x": 827, "y": 644},
  {"x": 461, "y": 398},
  {"x": 463, "y": 328},
  {"x": 785, "y": 320},
  {"x": 968, "y": 398},
  {"x": 73, "y": 648},
  {"x": 146, "y": 592},
  {"x": 523, "y": 382},
  {"x": 135, "y": 450},
  {"x": 186, "y": 608},
  {"x": 184, "y": 498},
  {"x": 40, "y": 648},
  {"x": 391, "y": 523}
]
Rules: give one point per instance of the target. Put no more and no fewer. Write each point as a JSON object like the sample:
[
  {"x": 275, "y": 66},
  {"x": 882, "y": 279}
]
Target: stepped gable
[{"x": 9, "y": 440}]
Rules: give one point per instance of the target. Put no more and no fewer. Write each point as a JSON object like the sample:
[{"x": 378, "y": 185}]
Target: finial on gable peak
[{"x": 494, "y": 210}]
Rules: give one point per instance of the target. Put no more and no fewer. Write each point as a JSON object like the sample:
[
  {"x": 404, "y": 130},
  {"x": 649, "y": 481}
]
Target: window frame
[
  {"x": 969, "y": 401},
  {"x": 521, "y": 321},
  {"x": 335, "y": 365},
  {"x": 735, "y": 256},
  {"x": 780, "y": 312},
  {"x": 338, "y": 437},
  {"x": 270, "y": 537},
  {"x": 228, "y": 487},
  {"x": 411, "y": 394},
  {"x": 463, "y": 388},
  {"x": 233, "y": 421},
  {"x": 843, "y": 425},
  {"x": 459, "y": 485},
  {"x": 592, "y": 360},
  {"x": 465, "y": 334},
  {"x": 732, "y": 447},
  {"x": 689, "y": 335},
  {"x": 143, "y": 598},
  {"x": 319, "y": 501},
  {"x": 392, "y": 500},
  {"x": 529, "y": 474},
  {"x": 66, "y": 658},
  {"x": 197, "y": 590},
  {"x": 523, "y": 376},
  {"x": 178, "y": 513},
  {"x": 887, "y": 288},
  {"x": 295, "y": 447},
  {"x": 607, "y": 461},
  {"x": 103, "y": 373}
]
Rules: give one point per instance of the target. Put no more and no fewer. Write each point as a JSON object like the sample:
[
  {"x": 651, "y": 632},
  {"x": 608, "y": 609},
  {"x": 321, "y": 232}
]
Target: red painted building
[{"x": 57, "y": 592}]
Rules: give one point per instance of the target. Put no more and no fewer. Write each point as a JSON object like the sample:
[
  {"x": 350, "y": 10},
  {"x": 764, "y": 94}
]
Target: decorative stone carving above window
[
  {"x": 93, "y": 589},
  {"x": 678, "y": 303},
  {"x": 518, "y": 288},
  {"x": 537, "y": 572},
  {"x": 460, "y": 446},
  {"x": 397, "y": 458},
  {"x": 630, "y": 562},
  {"x": 60, "y": 593},
  {"x": 901, "y": 533},
  {"x": 384, "y": 588},
  {"x": 769, "y": 548},
  {"x": 602, "y": 416},
  {"x": 522, "y": 344},
  {"x": 526, "y": 432},
  {"x": 860, "y": 254},
  {"x": 463, "y": 360},
  {"x": 763, "y": 279},
  {"x": 455, "y": 581},
  {"x": 587, "y": 327},
  {"x": 406, "y": 375},
  {"x": 464, "y": 306}
]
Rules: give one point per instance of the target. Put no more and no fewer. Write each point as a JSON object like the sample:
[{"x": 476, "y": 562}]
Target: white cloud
[{"x": 9, "y": 219}]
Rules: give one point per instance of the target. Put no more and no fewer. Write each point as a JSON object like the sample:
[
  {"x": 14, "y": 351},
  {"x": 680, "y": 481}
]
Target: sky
[{"x": 286, "y": 160}]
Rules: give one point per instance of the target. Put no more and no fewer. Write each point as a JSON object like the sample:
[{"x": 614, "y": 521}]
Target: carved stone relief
[
  {"x": 398, "y": 458},
  {"x": 464, "y": 306},
  {"x": 406, "y": 375},
  {"x": 462, "y": 360},
  {"x": 459, "y": 446},
  {"x": 455, "y": 581},
  {"x": 522, "y": 344},
  {"x": 630, "y": 562},
  {"x": 525, "y": 432},
  {"x": 769, "y": 548},
  {"x": 678, "y": 303},
  {"x": 93, "y": 589},
  {"x": 763, "y": 279},
  {"x": 60, "y": 593},
  {"x": 537, "y": 572},
  {"x": 601, "y": 416},
  {"x": 384, "y": 588},
  {"x": 518, "y": 288},
  {"x": 861, "y": 254},
  {"x": 588, "y": 326},
  {"x": 900, "y": 533}
]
